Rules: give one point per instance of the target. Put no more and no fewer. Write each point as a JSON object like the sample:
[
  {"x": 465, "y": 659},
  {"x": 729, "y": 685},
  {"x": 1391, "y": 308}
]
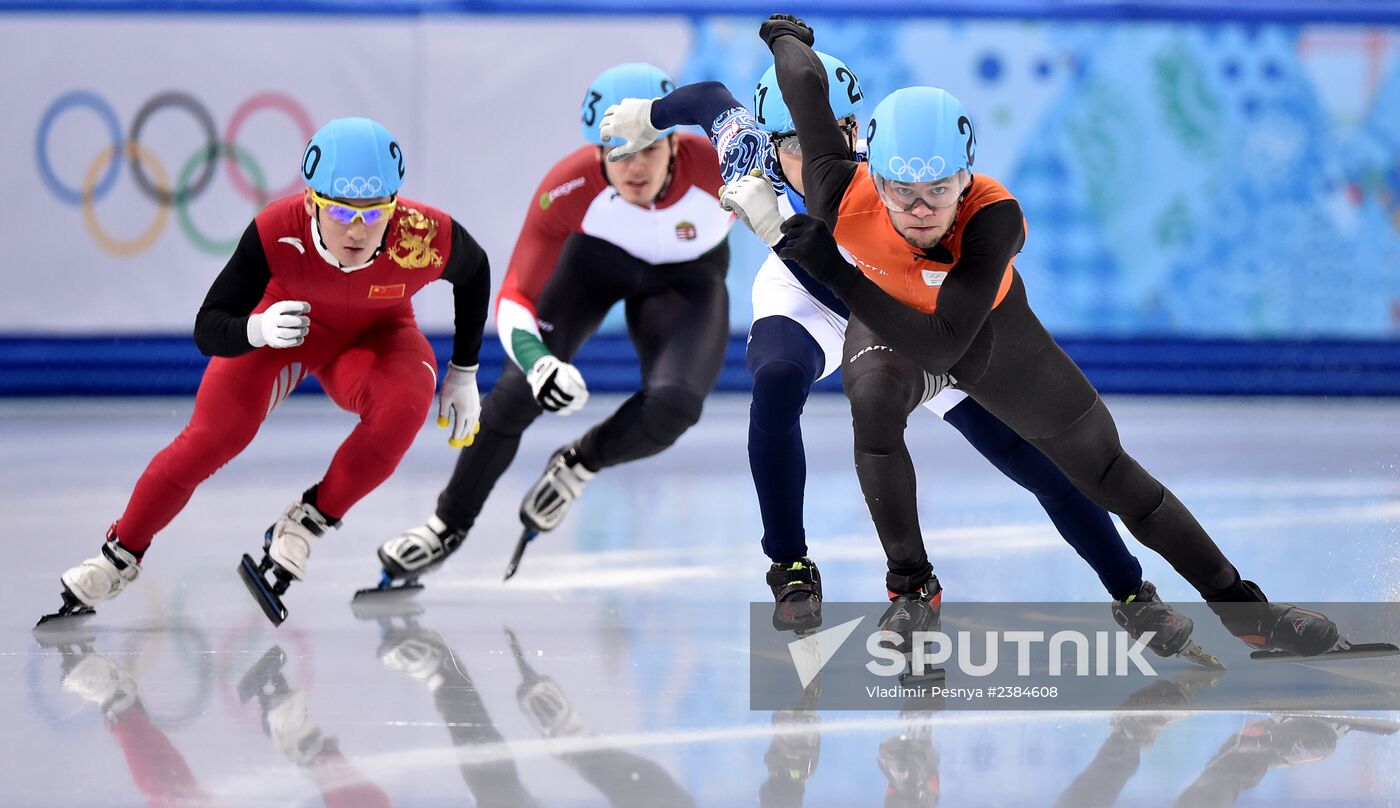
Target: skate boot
[
  {"x": 99, "y": 680},
  {"x": 1143, "y": 611},
  {"x": 1277, "y": 630},
  {"x": 99, "y": 578},
  {"x": 913, "y": 611},
  {"x": 286, "y": 549},
  {"x": 797, "y": 595},
  {"x": 562, "y": 482},
  {"x": 909, "y": 613},
  {"x": 417, "y": 552},
  {"x": 548, "y": 501}
]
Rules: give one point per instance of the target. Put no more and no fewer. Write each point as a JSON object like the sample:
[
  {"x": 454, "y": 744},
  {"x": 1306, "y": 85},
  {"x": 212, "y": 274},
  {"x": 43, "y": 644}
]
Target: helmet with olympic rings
[
  {"x": 353, "y": 158},
  {"x": 920, "y": 134},
  {"x": 631, "y": 80},
  {"x": 843, "y": 92}
]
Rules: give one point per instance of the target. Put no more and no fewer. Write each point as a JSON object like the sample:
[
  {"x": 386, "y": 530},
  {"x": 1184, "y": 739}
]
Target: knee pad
[
  {"x": 780, "y": 390},
  {"x": 667, "y": 412},
  {"x": 878, "y": 412},
  {"x": 1129, "y": 489}
]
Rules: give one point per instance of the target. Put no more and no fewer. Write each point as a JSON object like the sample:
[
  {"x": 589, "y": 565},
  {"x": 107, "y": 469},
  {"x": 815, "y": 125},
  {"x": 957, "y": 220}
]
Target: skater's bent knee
[
  {"x": 668, "y": 411},
  {"x": 1129, "y": 489},
  {"x": 779, "y": 391}
]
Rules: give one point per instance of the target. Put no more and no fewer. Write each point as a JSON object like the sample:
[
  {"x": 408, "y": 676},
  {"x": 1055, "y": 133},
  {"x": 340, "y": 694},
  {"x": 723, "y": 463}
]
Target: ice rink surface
[{"x": 613, "y": 669}]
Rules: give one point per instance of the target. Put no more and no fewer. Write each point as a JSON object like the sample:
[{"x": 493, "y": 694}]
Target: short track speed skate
[
  {"x": 96, "y": 579},
  {"x": 406, "y": 558},
  {"x": 548, "y": 501},
  {"x": 286, "y": 549}
]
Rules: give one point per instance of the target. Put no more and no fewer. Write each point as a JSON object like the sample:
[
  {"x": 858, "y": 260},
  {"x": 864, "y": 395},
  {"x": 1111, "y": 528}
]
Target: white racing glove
[
  {"x": 459, "y": 401},
  {"x": 629, "y": 121},
  {"x": 557, "y": 385},
  {"x": 753, "y": 199},
  {"x": 283, "y": 325}
]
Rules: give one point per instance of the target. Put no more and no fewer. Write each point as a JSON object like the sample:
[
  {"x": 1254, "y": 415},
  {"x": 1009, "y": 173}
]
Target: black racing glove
[
  {"x": 808, "y": 241},
  {"x": 785, "y": 25}
]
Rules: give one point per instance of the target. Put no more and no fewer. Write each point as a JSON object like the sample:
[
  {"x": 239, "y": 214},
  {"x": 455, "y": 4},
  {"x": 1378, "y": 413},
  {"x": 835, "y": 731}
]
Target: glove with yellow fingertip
[{"x": 459, "y": 405}]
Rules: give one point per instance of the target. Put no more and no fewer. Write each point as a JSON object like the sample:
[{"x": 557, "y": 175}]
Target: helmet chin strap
[{"x": 325, "y": 253}]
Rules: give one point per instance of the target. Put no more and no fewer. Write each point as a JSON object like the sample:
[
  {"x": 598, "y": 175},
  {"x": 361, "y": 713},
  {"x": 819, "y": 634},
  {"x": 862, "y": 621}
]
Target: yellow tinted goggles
[{"x": 346, "y": 214}]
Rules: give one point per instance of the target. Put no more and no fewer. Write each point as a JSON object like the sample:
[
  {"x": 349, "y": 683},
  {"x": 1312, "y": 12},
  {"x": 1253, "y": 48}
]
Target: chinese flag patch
[{"x": 391, "y": 292}]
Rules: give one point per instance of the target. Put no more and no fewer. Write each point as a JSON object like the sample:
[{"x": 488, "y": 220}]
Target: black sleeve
[
  {"x": 469, "y": 272},
  {"x": 696, "y": 104},
  {"x": 827, "y": 167},
  {"x": 935, "y": 342},
  {"x": 221, "y": 327}
]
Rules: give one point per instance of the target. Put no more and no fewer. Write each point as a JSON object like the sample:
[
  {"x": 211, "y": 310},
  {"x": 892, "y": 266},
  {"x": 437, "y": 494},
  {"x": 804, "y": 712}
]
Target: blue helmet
[
  {"x": 771, "y": 110},
  {"x": 631, "y": 80},
  {"x": 920, "y": 134},
  {"x": 353, "y": 158}
]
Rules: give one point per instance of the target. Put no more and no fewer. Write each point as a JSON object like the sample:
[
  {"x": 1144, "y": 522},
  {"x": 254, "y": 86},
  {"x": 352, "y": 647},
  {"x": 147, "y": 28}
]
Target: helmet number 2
[
  {"x": 848, "y": 80},
  {"x": 590, "y": 107},
  {"x": 396, "y": 153},
  {"x": 965, "y": 128}
]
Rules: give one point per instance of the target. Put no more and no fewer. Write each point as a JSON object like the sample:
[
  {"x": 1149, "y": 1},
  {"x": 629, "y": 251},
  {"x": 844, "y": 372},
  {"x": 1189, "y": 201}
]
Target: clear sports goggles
[{"x": 902, "y": 197}]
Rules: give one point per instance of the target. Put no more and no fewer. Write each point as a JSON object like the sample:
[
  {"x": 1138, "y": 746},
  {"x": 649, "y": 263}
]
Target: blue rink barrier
[
  {"x": 171, "y": 365},
  {"x": 1289, "y": 11}
]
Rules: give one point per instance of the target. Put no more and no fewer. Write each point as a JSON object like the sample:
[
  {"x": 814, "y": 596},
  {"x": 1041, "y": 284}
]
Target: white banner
[{"x": 116, "y": 221}]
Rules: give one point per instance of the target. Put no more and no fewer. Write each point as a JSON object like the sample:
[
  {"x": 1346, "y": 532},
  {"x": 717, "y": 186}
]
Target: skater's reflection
[
  {"x": 421, "y": 654},
  {"x": 158, "y": 769},
  {"x": 796, "y": 748},
  {"x": 627, "y": 780},
  {"x": 1132, "y": 732},
  {"x": 909, "y": 759},
  {"x": 286, "y": 720},
  {"x": 1266, "y": 743}
]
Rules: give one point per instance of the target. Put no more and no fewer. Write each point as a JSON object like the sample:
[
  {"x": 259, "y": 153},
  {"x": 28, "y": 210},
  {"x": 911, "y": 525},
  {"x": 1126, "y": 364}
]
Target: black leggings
[
  {"x": 1015, "y": 370},
  {"x": 678, "y": 320}
]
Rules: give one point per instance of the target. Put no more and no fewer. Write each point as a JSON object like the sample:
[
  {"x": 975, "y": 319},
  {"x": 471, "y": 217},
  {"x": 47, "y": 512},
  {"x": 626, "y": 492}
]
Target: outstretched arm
[{"x": 827, "y": 167}]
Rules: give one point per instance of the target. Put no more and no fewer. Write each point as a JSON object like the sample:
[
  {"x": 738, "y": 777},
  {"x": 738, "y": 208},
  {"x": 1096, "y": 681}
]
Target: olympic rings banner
[
  {"x": 1180, "y": 179},
  {"x": 217, "y": 150}
]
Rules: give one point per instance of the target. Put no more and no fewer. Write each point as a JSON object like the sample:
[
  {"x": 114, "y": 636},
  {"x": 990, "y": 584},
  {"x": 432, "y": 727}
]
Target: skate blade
[
  {"x": 381, "y": 593},
  {"x": 64, "y": 629},
  {"x": 1342, "y": 650},
  {"x": 1194, "y": 653},
  {"x": 525, "y": 538},
  {"x": 930, "y": 676},
  {"x": 258, "y": 587},
  {"x": 75, "y": 617},
  {"x": 388, "y": 590}
]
